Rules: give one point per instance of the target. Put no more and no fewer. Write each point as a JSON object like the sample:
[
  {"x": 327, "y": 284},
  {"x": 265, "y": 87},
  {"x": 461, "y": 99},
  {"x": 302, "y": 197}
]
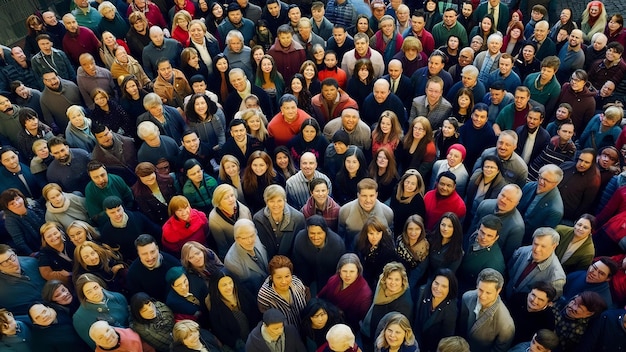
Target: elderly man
[
  {"x": 286, "y": 124},
  {"x": 469, "y": 80},
  {"x": 48, "y": 57},
  {"x": 545, "y": 45},
  {"x": 307, "y": 38},
  {"x": 155, "y": 146},
  {"x": 20, "y": 280},
  {"x": 488, "y": 61},
  {"x": 436, "y": 64},
  {"x": 580, "y": 185},
  {"x": 78, "y": 40},
  {"x": 350, "y": 122},
  {"x": 596, "y": 278},
  {"x": 243, "y": 88},
  {"x": 510, "y": 237},
  {"x": 532, "y": 311},
  {"x": 433, "y": 105},
  {"x": 533, "y": 138},
  {"x": 236, "y": 20},
  {"x": 352, "y": 215},
  {"x": 362, "y": 49},
  {"x": 171, "y": 85},
  {"x": 108, "y": 338},
  {"x": 485, "y": 319},
  {"x": 466, "y": 57},
  {"x": 541, "y": 203},
  {"x": 298, "y": 185},
  {"x": 238, "y": 53},
  {"x": 380, "y": 100},
  {"x": 330, "y": 103},
  {"x": 58, "y": 95},
  {"x": 514, "y": 169},
  {"x": 247, "y": 258},
  {"x": 444, "y": 198},
  {"x": 159, "y": 48},
  {"x": 536, "y": 262},
  {"x": 69, "y": 167},
  {"x": 91, "y": 76},
  {"x": 19, "y": 70},
  {"x": 449, "y": 26},
  {"x": 572, "y": 56}
]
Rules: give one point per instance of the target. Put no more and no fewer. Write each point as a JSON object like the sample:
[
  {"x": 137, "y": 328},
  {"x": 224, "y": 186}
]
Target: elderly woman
[
  {"x": 152, "y": 320},
  {"x": 168, "y": 119},
  {"x": 408, "y": 198},
  {"x": 238, "y": 53},
  {"x": 124, "y": 69},
  {"x": 109, "y": 46},
  {"x": 78, "y": 132},
  {"x": 153, "y": 191},
  {"x": 576, "y": 248},
  {"x": 348, "y": 290},
  {"x": 188, "y": 336},
  {"x": 200, "y": 262},
  {"x": 63, "y": 207},
  {"x": 247, "y": 258},
  {"x": 185, "y": 224},
  {"x": 199, "y": 186},
  {"x": 32, "y": 130},
  {"x": 321, "y": 203},
  {"x": 226, "y": 211},
  {"x": 80, "y": 231},
  {"x": 21, "y": 221},
  {"x": 340, "y": 338},
  {"x": 103, "y": 262},
  {"x": 56, "y": 256},
  {"x": 453, "y": 163},
  {"x": 204, "y": 42},
  {"x": 278, "y": 222},
  {"x": 396, "y": 335}
]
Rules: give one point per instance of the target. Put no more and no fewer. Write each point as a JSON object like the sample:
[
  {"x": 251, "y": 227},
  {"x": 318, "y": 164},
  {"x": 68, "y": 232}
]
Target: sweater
[
  {"x": 436, "y": 206},
  {"x": 150, "y": 281},
  {"x": 177, "y": 232},
  {"x": 94, "y": 195},
  {"x": 124, "y": 238},
  {"x": 315, "y": 265},
  {"x": 113, "y": 310}
]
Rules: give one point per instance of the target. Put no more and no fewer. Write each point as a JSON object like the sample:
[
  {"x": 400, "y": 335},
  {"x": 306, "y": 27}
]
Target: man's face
[
  {"x": 191, "y": 142},
  {"x": 246, "y": 238},
  {"x": 479, "y": 119},
  {"x": 598, "y": 272},
  {"x": 507, "y": 199},
  {"x": 273, "y": 9},
  {"x": 6, "y": 106},
  {"x": 487, "y": 293},
  {"x": 395, "y": 70},
  {"x": 89, "y": 65},
  {"x": 235, "y": 44},
  {"x": 42, "y": 315},
  {"x": 340, "y": 35},
  {"x": 607, "y": 89},
  {"x": 533, "y": 120},
  {"x": 521, "y": 99},
  {"x": 330, "y": 60},
  {"x": 435, "y": 64},
  {"x": 367, "y": 199},
  {"x": 542, "y": 248},
  {"x": 165, "y": 71},
  {"x": 417, "y": 23},
  {"x": 199, "y": 87},
  {"x": 308, "y": 165},
  {"x": 528, "y": 53},
  {"x": 575, "y": 309},
  {"x": 49, "y": 18},
  {"x": 238, "y": 132},
  {"x": 285, "y": 39},
  {"x": 11, "y": 161},
  {"x": 70, "y": 24},
  {"x": 105, "y": 337},
  {"x": 546, "y": 182},
  {"x": 381, "y": 91},
  {"x": 486, "y": 237},
  {"x": 445, "y": 186},
  {"x": 465, "y": 58},
  {"x": 148, "y": 255},
  {"x": 305, "y": 29},
  {"x": 275, "y": 330},
  {"x": 83, "y": 4},
  {"x": 575, "y": 39},
  {"x": 494, "y": 45},
  {"x": 115, "y": 214},
  {"x": 9, "y": 264},
  {"x": 318, "y": 14},
  {"x": 60, "y": 152},
  {"x": 599, "y": 43},
  {"x": 546, "y": 73},
  {"x": 330, "y": 93},
  {"x": 584, "y": 163},
  {"x": 541, "y": 32},
  {"x": 100, "y": 177},
  {"x": 235, "y": 17},
  {"x": 536, "y": 301},
  {"x": 51, "y": 80},
  {"x": 576, "y": 83},
  {"x": 105, "y": 138},
  {"x": 566, "y": 131},
  {"x": 467, "y": 10},
  {"x": 157, "y": 37},
  {"x": 497, "y": 96},
  {"x": 45, "y": 46},
  {"x": 18, "y": 55},
  {"x": 469, "y": 80},
  {"x": 505, "y": 66},
  {"x": 294, "y": 14},
  {"x": 360, "y": 46},
  {"x": 349, "y": 120},
  {"x": 238, "y": 81},
  {"x": 434, "y": 91},
  {"x": 505, "y": 146},
  {"x": 449, "y": 18}
]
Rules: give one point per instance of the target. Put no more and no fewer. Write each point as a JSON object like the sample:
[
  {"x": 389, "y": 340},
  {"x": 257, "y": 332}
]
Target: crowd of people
[{"x": 346, "y": 175}]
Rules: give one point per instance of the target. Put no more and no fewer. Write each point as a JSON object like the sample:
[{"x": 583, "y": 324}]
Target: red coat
[
  {"x": 337, "y": 73},
  {"x": 436, "y": 206},
  {"x": 177, "y": 232}
]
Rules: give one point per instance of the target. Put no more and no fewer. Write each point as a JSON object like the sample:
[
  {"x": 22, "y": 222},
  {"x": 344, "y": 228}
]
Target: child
[{"x": 562, "y": 115}]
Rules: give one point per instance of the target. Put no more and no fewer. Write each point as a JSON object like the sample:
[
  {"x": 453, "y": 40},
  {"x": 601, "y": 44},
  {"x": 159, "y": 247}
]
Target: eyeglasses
[
  {"x": 541, "y": 178},
  {"x": 9, "y": 260},
  {"x": 575, "y": 79}
]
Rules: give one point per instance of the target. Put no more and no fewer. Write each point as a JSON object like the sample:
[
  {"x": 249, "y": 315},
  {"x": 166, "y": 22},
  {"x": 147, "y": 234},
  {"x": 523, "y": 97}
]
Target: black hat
[
  {"x": 233, "y": 7},
  {"x": 273, "y": 316},
  {"x": 341, "y": 136}
]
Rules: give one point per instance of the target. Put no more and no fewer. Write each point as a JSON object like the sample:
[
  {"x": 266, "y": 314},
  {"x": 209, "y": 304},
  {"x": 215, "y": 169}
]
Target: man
[
  {"x": 236, "y": 20},
  {"x": 544, "y": 87},
  {"x": 49, "y": 57},
  {"x": 78, "y": 40},
  {"x": 69, "y": 167},
  {"x": 380, "y": 100},
  {"x": 449, "y": 26},
  {"x": 545, "y": 45},
  {"x": 169, "y": 119},
  {"x": 286, "y": 124},
  {"x": 340, "y": 42},
  {"x": 532, "y": 311},
  {"x": 334, "y": 156},
  {"x": 321, "y": 25},
  {"x": 536, "y": 262},
  {"x": 612, "y": 67},
  {"x": 115, "y": 151},
  {"x": 238, "y": 54},
  {"x": 466, "y": 57},
  {"x": 497, "y": 98},
  {"x": 469, "y": 80},
  {"x": 147, "y": 272},
  {"x": 514, "y": 115},
  {"x": 330, "y": 103},
  {"x": 436, "y": 64},
  {"x": 353, "y": 215},
  {"x": 572, "y": 318},
  {"x": 14, "y": 174},
  {"x": 243, "y": 88},
  {"x": 298, "y": 185},
  {"x": 341, "y": 12},
  {"x": 55, "y": 29},
  {"x": 606, "y": 332},
  {"x": 361, "y": 50},
  {"x": 485, "y": 319},
  {"x": 101, "y": 186},
  {"x": 10, "y": 125},
  {"x": 194, "y": 148},
  {"x": 52, "y": 328},
  {"x": 533, "y": 138},
  {"x": 249, "y": 10},
  {"x": 358, "y": 131},
  {"x": 488, "y": 61},
  {"x": 476, "y": 135},
  {"x": 58, "y": 95},
  {"x": 580, "y": 184},
  {"x": 308, "y": 39},
  {"x": 108, "y": 338},
  {"x": 387, "y": 40},
  {"x": 90, "y": 76},
  {"x": 275, "y": 13},
  {"x": 26, "y": 97},
  {"x": 242, "y": 144},
  {"x": 159, "y": 48},
  {"x": 499, "y": 12},
  {"x": 605, "y": 97},
  {"x": 514, "y": 170},
  {"x": 21, "y": 281},
  {"x": 433, "y": 105},
  {"x": 400, "y": 84},
  {"x": 155, "y": 145},
  {"x": 504, "y": 73},
  {"x": 596, "y": 278},
  {"x": 444, "y": 198},
  {"x": 273, "y": 330},
  {"x": 19, "y": 70},
  {"x": 418, "y": 22},
  {"x": 288, "y": 54},
  {"x": 541, "y": 204},
  {"x": 571, "y": 55},
  {"x": 482, "y": 251},
  {"x": 86, "y": 15},
  {"x": 247, "y": 258},
  {"x": 171, "y": 84},
  {"x": 543, "y": 340}
]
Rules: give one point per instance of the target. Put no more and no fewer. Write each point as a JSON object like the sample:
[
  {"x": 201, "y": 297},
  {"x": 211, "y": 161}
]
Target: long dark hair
[
  {"x": 363, "y": 244},
  {"x": 455, "y": 246},
  {"x": 190, "y": 110},
  {"x": 304, "y": 97},
  {"x": 334, "y": 316}
]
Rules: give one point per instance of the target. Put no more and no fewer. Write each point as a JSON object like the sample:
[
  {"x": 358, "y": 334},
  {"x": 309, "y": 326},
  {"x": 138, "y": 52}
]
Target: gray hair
[
  {"x": 234, "y": 33},
  {"x": 547, "y": 231},
  {"x": 509, "y": 133},
  {"x": 491, "y": 275},
  {"x": 552, "y": 169},
  {"x": 241, "y": 225},
  {"x": 147, "y": 128},
  {"x": 470, "y": 70},
  {"x": 151, "y": 100}
]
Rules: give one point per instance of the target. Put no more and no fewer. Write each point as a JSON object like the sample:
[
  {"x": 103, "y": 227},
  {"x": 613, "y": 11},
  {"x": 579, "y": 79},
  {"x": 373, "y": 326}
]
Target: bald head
[
  {"x": 156, "y": 35},
  {"x": 381, "y": 90}
]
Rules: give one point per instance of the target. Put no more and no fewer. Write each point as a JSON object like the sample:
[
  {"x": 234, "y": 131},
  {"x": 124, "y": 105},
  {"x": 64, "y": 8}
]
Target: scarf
[
  {"x": 121, "y": 224},
  {"x": 412, "y": 256},
  {"x": 62, "y": 209},
  {"x": 380, "y": 298},
  {"x": 268, "y": 297}
]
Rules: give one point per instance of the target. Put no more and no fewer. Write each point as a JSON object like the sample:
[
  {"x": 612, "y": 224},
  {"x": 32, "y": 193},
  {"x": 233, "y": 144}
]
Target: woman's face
[
  {"x": 148, "y": 311},
  {"x": 348, "y": 274},
  {"x": 363, "y": 73},
  {"x": 374, "y": 236},
  {"x": 394, "y": 335},
  {"x": 266, "y": 65},
  {"x": 193, "y": 61},
  {"x": 93, "y": 292},
  {"x": 77, "y": 119},
  {"x": 89, "y": 256},
  {"x": 183, "y": 213},
  {"x": 148, "y": 180},
  {"x": 192, "y": 339},
  {"x": 131, "y": 88},
  {"x": 515, "y": 16},
  {"x": 62, "y": 296},
  {"x": 202, "y": 4},
  {"x": 418, "y": 131},
  {"x": 229, "y": 201},
  {"x": 183, "y": 23},
  {"x": 232, "y": 169},
  {"x": 320, "y": 193},
  {"x": 464, "y": 101},
  {"x": 217, "y": 10},
  {"x": 454, "y": 158},
  {"x": 413, "y": 231},
  {"x": 582, "y": 228},
  {"x": 431, "y": 6},
  {"x": 448, "y": 129},
  {"x": 181, "y": 285},
  {"x": 56, "y": 198},
  {"x": 381, "y": 160},
  {"x": 254, "y": 123},
  {"x": 196, "y": 258},
  {"x": 393, "y": 282},
  {"x": 319, "y": 319},
  {"x": 200, "y": 106},
  {"x": 296, "y": 85},
  {"x": 440, "y": 287},
  {"x": 281, "y": 278},
  {"x": 594, "y": 10},
  {"x": 282, "y": 160},
  {"x": 17, "y": 206},
  {"x": 43, "y": 151},
  {"x": 309, "y": 133},
  {"x": 528, "y": 53},
  {"x": 276, "y": 205},
  {"x": 196, "y": 32},
  {"x": 77, "y": 235},
  {"x": 410, "y": 184},
  {"x": 453, "y": 43},
  {"x": 259, "y": 166},
  {"x": 195, "y": 174},
  {"x": 108, "y": 39},
  {"x": 352, "y": 164},
  {"x": 485, "y": 24},
  {"x": 221, "y": 65},
  {"x": 226, "y": 286},
  {"x": 516, "y": 33},
  {"x": 363, "y": 25},
  {"x": 385, "y": 124},
  {"x": 490, "y": 169},
  {"x": 258, "y": 55},
  {"x": 101, "y": 100},
  {"x": 53, "y": 237},
  {"x": 613, "y": 24},
  {"x": 446, "y": 229},
  {"x": 319, "y": 55},
  {"x": 308, "y": 72}
]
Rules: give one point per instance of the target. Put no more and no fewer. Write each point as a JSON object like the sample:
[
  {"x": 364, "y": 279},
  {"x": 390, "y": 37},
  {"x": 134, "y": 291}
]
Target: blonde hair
[
  {"x": 220, "y": 192},
  {"x": 49, "y": 187},
  {"x": 227, "y": 158},
  {"x": 47, "y": 226},
  {"x": 404, "y": 324},
  {"x": 391, "y": 268},
  {"x": 183, "y": 328},
  {"x": 262, "y": 133}
]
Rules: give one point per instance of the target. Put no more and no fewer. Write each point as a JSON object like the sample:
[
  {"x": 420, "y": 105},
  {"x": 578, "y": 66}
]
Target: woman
[
  {"x": 310, "y": 139},
  {"x": 226, "y": 211},
  {"x": 361, "y": 84},
  {"x": 96, "y": 303},
  {"x": 256, "y": 125},
  {"x": 268, "y": 78},
  {"x": 132, "y": 96},
  {"x": 451, "y": 49},
  {"x": 576, "y": 249},
  {"x": 63, "y": 207},
  {"x": 485, "y": 183},
  {"x": 447, "y": 135},
  {"x": 258, "y": 174},
  {"x": 384, "y": 171},
  {"x": 484, "y": 29},
  {"x": 593, "y": 20},
  {"x": 230, "y": 173},
  {"x": 214, "y": 18},
  {"x": 202, "y": 115},
  {"x": 109, "y": 113},
  {"x": 42, "y": 157},
  {"x": 396, "y": 335},
  {"x": 565, "y": 21},
  {"x": 318, "y": 58},
  {"x": 615, "y": 29},
  {"x": 185, "y": 224},
  {"x": 200, "y": 262},
  {"x": 192, "y": 64},
  {"x": 436, "y": 310},
  {"x": 180, "y": 26},
  {"x": 446, "y": 242},
  {"x": 514, "y": 39},
  {"x": 463, "y": 105},
  {"x": 79, "y": 231},
  {"x": 412, "y": 249},
  {"x": 256, "y": 54},
  {"x": 321, "y": 203},
  {"x": 109, "y": 48},
  {"x": 283, "y": 290},
  {"x": 56, "y": 294},
  {"x": 408, "y": 198},
  {"x": 348, "y": 290},
  {"x": 332, "y": 70},
  {"x": 204, "y": 42},
  {"x": 35, "y": 27},
  {"x": 102, "y": 261},
  {"x": 374, "y": 246},
  {"x": 392, "y": 294},
  {"x": 362, "y": 26},
  {"x": 354, "y": 170},
  {"x": 153, "y": 192},
  {"x": 78, "y": 132},
  {"x": 126, "y": 65},
  {"x": 152, "y": 320},
  {"x": 454, "y": 163},
  {"x": 55, "y": 256},
  {"x": 412, "y": 56},
  {"x": 232, "y": 311},
  {"x": 112, "y": 20},
  {"x": 22, "y": 221},
  {"x": 387, "y": 132},
  {"x": 218, "y": 80},
  {"x": 284, "y": 163},
  {"x": 317, "y": 318},
  {"x": 297, "y": 87},
  {"x": 185, "y": 297},
  {"x": 309, "y": 71},
  {"x": 188, "y": 337},
  {"x": 32, "y": 130},
  {"x": 418, "y": 149},
  {"x": 199, "y": 186}
]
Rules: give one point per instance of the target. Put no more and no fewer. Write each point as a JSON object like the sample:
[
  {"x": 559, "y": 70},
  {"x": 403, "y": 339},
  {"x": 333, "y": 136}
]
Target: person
[
  {"x": 32, "y": 129},
  {"x": 55, "y": 256},
  {"x": 205, "y": 118},
  {"x": 78, "y": 132},
  {"x": 396, "y": 334},
  {"x": 607, "y": 330},
  {"x": 102, "y": 261},
  {"x": 593, "y": 19},
  {"x": 22, "y": 284},
  {"x": 78, "y": 39},
  {"x": 453, "y": 163},
  {"x": 115, "y": 151},
  {"x": 167, "y": 118},
  {"x": 560, "y": 148},
  {"x": 408, "y": 198},
  {"x": 152, "y": 320},
  {"x": 101, "y": 186},
  {"x": 256, "y": 124},
  {"x": 572, "y": 318},
  {"x": 268, "y": 78},
  {"x": 576, "y": 248},
  {"x": 199, "y": 186},
  {"x": 97, "y": 303},
  {"x": 242, "y": 144},
  {"x": 581, "y": 97},
  {"x": 432, "y": 105},
  {"x": 63, "y": 207},
  {"x": 383, "y": 169},
  {"x": 132, "y": 96},
  {"x": 15, "y": 334},
  {"x": 484, "y": 318},
  {"x": 580, "y": 184},
  {"x": 274, "y": 329},
  {"x": 330, "y": 103},
  {"x": 446, "y": 244},
  {"x": 594, "y": 278},
  {"x": 185, "y": 224},
  {"x": 375, "y": 248},
  {"x": 22, "y": 221},
  {"x": 185, "y": 297},
  {"x": 153, "y": 192},
  {"x": 90, "y": 76},
  {"x": 359, "y": 133},
  {"x": 550, "y": 211},
  {"x": 310, "y": 139},
  {"x": 52, "y": 329},
  {"x": 533, "y": 311},
  {"x": 297, "y": 87},
  {"x": 318, "y": 317},
  {"x": 442, "y": 199},
  {"x": 187, "y": 335},
  {"x": 286, "y": 124},
  {"x": 108, "y": 338},
  {"x": 80, "y": 231},
  {"x": 448, "y": 26},
  {"x": 418, "y": 149},
  {"x": 247, "y": 258},
  {"x": 225, "y": 213},
  {"x": 353, "y": 171},
  {"x": 362, "y": 50}
]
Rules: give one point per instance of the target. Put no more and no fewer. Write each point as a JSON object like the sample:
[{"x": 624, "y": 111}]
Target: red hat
[{"x": 458, "y": 147}]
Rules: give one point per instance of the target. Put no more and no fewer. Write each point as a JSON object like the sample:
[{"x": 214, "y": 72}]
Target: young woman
[
  {"x": 396, "y": 335},
  {"x": 387, "y": 132},
  {"x": 203, "y": 117},
  {"x": 362, "y": 26},
  {"x": 451, "y": 49},
  {"x": 317, "y": 318},
  {"x": 331, "y": 70},
  {"x": 258, "y": 174},
  {"x": 56, "y": 256},
  {"x": 446, "y": 243},
  {"x": 200, "y": 262},
  {"x": 408, "y": 198},
  {"x": 214, "y": 18},
  {"x": 418, "y": 149},
  {"x": 256, "y": 124},
  {"x": 577, "y": 243},
  {"x": 361, "y": 84},
  {"x": 187, "y": 336},
  {"x": 108, "y": 112},
  {"x": 412, "y": 249},
  {"x": 153, "y": 192},
  {"x": 374, "y": 246},
  {"x": 354, "y": 170},
  {"x": 432, "y": 15},
  {"x": 297, "y": 86},
  {"x": 268, "y": 78},
  {"x": 103, "y": 262},
  {"x": 198, "y": 187},
  {"x": 310, "y": 139},
  {"x": 309, "y": 71},
  {"x": 218, "y": 80},
  {"x": 514, "y": 39},
  {"x": 180, "y": 26},
  {"x": 56, "y": 294},
  {"x": 284, "y": 162},
  {"x": 80, "y": 231},
  {"x": 186, "y": 298},
  {"x": 384, "y": 170},
  {"x": 256, "y": 54},
  {"x": 191, "y": 64},
  {"x": 230, "y": 173},
  {"x": 132, "y": 97},
  {"x": 152, "y": 320},
  {"x": 484, "y": 29},
  {"x": 62, "y": 207},
  {"x": 447, "y": 135},
  {"x": 185, "y": 224}
]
